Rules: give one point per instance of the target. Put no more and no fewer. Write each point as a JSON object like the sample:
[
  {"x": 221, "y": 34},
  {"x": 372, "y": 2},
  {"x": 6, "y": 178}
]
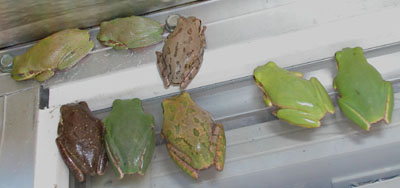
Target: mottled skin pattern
[
  {"x": 365, "y": 97},
  {"x": 194, "y": 141},
  {"x": 80, "y": 141},
  {"x": 300, "y": 102},
  {"x": 130, "y": 32},
  {"x": 182, "y": 53},
  {"x": 130, "y": 138},
  {"x": 59, "y": 51}
]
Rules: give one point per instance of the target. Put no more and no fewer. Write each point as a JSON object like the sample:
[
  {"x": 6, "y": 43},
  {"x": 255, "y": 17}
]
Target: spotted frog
[
  {"x": 182, "y": 54},
  {"x": 80, "y": 141},
  {"x": 194, "y": 140}
]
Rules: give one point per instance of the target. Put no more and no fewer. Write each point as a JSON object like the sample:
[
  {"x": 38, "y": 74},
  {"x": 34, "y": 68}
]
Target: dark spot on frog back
[
  {"x": 189, "y": 31},
  {"x": 176, "y": 49},
  {"x": 196, "y": 132}
]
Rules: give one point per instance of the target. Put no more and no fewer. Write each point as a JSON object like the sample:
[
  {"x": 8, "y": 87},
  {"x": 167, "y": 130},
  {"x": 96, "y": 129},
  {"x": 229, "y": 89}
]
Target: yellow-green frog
[
  {"x": 365, "y": 97},
  {"x": 194, "y": 140},
  {"x": 300, "y": 102},
  {"x": 59, "y": 51}
]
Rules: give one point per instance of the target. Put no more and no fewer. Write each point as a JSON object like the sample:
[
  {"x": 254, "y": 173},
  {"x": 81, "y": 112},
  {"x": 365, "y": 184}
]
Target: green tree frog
[
  {"x": 300, "y": 102},
  {"x": 365, "y": 97}
]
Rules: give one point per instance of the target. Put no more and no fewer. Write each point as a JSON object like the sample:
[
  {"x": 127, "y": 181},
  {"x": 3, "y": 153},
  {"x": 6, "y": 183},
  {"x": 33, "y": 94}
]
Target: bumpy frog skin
[
  {"x": 130, "y": 138},
  {"x": 194, "y": 141},
  {"x": 365, "y": 97},
  {"x": 80, "y": 141},
  {"x": 182, "y": 53},
  {"x": 300, "y": 102},
  {"x": 130, "y": 32},
  {"x": 60, "y": 51}
]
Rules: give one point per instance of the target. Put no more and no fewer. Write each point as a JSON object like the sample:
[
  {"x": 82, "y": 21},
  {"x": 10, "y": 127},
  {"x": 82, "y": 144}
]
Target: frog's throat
[{"x": 115, "y": 164}]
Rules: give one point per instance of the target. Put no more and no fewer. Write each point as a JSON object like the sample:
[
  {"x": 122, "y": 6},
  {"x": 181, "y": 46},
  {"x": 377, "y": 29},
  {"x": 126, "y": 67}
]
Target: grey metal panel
[
  {"x": 8, "y": 85},
  {"x": 18, "y": 140},
  {"x": 28, "y": 20},
  {"x": 2, "y": 116}
]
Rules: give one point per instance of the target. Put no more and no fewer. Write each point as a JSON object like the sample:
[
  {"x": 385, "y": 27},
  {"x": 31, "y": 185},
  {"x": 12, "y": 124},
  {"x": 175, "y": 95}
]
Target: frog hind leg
[
  {"x": 164, "y": 71},
  {"x": 74, "y": 56},
  {"x": 112, "y": 159},
  {"x": 45, "y": 75},
  {"x": 178, "y": 156},
  {"x": 353, "y": 114},
  {"x": 323, "y": 95},
  {"x": 67, "y": 159},
  {"x": 298, "y": 118},
  {"x": 147, "y": 156},
  {"x": 219, "y": 140},
  {"x": 203, "y": 37},
  {"x": 102, "y": 159},
  {"x": 389, "y": 101},
  {"x": 192, "y": 73}
]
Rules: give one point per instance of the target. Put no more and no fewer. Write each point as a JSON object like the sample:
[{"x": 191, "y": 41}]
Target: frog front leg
[
  {"x": 45, "y": 75},
  {"x": 353, "y": 114},
  {"x": 164, "y": 71},
  {"x": 299, "y": 118},
  {"x": 179, "y": 157},
  {"x": 147, "y": 155},
  {"x": 389, "y": 101},
  {"x": 218, "y": 137},
  {"x": 69, "y": 160},
  {"x": 323, "y": 95},
  {"x": 192, "y": 73},
  {"x": 266, "y": 99}
]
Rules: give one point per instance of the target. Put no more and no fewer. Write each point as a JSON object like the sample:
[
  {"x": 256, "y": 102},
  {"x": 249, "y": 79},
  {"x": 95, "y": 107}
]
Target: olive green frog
[
  {"x": 182, "y": 53},
  {"x": 194, "y": 140},
  {"x": 130, "y": 32},
  {"x": 364, "y": 97},
  {"x": 130, "y": 138},
  {"x": 59, "y": 51},
  {"x": 300, "y": 102}
]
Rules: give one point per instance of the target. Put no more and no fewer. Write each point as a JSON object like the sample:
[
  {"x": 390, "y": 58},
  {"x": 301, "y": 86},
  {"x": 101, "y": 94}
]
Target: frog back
[
  {"x": 286, "y": 90},
  {"x": 183, "y": 47},
  {"x": 129, "y": 134},
  {"x": 189, "y": 128},
  {"x": 52, "y": 50},
  {"x": 360, "y": 84}
]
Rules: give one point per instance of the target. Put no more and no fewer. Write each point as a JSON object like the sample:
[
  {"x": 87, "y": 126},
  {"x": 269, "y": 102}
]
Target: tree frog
[
  {"x": 194, "y": 140},
  {"x": 365, "y": 97},
  {"x": 130, "y": 32},
  {"x": 60, "y": 51},
  {"x": 129, "y": 138},
  {"x": 182, "y": 53},
  {"x": 80, "y": 141},
  {"x": 300, "y": 102}
]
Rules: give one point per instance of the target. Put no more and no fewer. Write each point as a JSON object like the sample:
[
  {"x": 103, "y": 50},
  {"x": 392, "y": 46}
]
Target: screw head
[
  {"x": 171, "y": 22},
  {"x": 6, "y": 63}
]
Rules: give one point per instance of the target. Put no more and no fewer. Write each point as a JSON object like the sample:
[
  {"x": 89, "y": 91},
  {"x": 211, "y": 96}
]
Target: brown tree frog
[
  {"x": 182, "y": 53},
  {"x": 80, "y": 141}
]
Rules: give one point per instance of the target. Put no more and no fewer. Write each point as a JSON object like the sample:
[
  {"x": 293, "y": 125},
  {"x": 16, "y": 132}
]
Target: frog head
[{"x": 21, "y": 70}]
